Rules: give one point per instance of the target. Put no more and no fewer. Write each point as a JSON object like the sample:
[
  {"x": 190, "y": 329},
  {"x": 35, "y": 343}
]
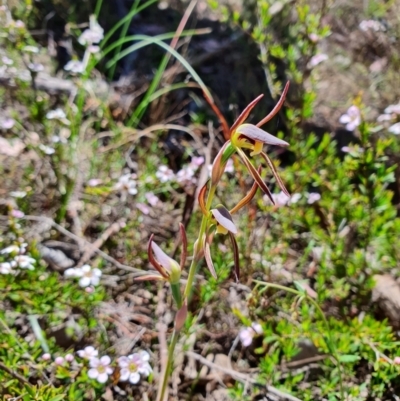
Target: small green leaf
[{"x": 347, "y": 358}]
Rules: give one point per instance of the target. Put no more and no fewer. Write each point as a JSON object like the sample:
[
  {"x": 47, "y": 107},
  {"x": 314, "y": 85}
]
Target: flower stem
[
  {"x": 167, "y": 371},
  {"x": 192, "y": 271}
]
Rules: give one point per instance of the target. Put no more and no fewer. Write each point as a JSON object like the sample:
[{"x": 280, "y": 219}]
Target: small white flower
[
  {"x": 35, "y": 67},
  {"x": 143, "y": 208},
  {"x": 186, "y": 175},
  {"x": 31, "y": 49},
  {"x": 314, "y": 37},
  {"x": 93, "y": 49},
  {"x": 57, "y": 114},
  {"x": 7, "y": 123},
  {"x": 7, "y": 61},
  {"x": 60, "y": 139},
  {"x": 69, "y": 357},
  {"x": 46, "y": 356},
  {"x": 294, "y": 198},
  {"x": 317, "y": 59},
  {"x": 246, "y": 335},
  {"x": 395, "y": 129},
  {"x": 367, "y": 25},
  {"x": 384, "y": 117},
  {"x": 71, "y": 272},
  {"x": 352, "y": 118},
  {"x": 11, "y": 249},
  {"x": 88, "y": 352},
  {"x": 313, "y": 197},
  {"x": 6, "y": 268},
  {"x": 280, "y": 199},
  {"x": 165, "y": 174},
  {"x": 59, "y": 360},
  {"x": 18, "y": 194},
  {"x": 229, "y": 168},
  {"x": 19, "y": 24},
  {"x": 88, "y": 276},
  {"x": 94, "y": 34},
  {"x": 196, "y": 161},
  {"x": 126, "y": 185},
  {"x": 354, "y": 150},
  {"x": 151, "y": 198},
  {"x": 134, "y": 365},
  {"x": 94, "y": 182},
  {"x": 25, "y": 262},
  {"x": 18, "y": 214},
  {"x": 100, "y": 368},
  {"x": 393, "y": 109},
  {"x": 75, "y": 67},
  {"x": 46, "y": 149}
]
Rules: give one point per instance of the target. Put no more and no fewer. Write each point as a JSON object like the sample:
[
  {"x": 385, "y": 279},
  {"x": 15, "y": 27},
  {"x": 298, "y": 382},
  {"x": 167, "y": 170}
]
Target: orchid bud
[{"x": 220, "y": 161}]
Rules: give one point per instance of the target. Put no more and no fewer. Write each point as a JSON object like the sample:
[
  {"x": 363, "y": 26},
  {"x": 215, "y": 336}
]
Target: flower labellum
[{"x": 224, "y": 220}]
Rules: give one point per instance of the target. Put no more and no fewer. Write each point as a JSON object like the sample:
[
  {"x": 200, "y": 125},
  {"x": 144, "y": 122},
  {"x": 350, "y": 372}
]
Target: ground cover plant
[{"x": 167, "y": 233}]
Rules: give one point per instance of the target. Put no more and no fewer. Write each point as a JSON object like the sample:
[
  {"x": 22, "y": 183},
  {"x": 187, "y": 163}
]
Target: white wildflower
[
  {"x": 317, "y": 59},
  {"x": 352, "y": 118},
  {"x": 93, "y": 35},
  {"x": 134, "y": 365},
  {"x": 165, "y": 174},
  {"x": 367, "y": 25},
  {"x": 75, "y": 67},
  {"x": 395, "y": 129},
  {"x": 126, "y": 185},
  {"x": 313, "y": 197},
  {"x": 100, "y": 368},
  {"x": 88, "y": 276},
  {"x": 25, "y": 262},
  {"x": 6, "y": 268},
  {"x": 88, "y": 352},
  {"x": 246, "y": 335}
]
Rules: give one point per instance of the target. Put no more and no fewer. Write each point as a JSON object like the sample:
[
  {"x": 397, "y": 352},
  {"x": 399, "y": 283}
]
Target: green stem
[
  {"x": 167, "y": 370},
  {"x": 188, "y": 288},
  {"x": 331, "y": 346}
]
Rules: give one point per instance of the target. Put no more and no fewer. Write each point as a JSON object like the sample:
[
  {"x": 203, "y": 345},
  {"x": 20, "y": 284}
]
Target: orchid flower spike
[{"x": 252, "y": 137}]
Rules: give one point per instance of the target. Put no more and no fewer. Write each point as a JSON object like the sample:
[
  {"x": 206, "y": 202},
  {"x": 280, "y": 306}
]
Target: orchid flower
[{"x": 168, "y": 269}]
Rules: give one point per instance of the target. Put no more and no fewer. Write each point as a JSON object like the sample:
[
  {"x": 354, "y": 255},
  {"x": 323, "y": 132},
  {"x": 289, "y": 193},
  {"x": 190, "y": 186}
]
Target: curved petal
[
  {"x": 235, "y": 256},
  {"x": 247, "y": 198},
  {"x": 275, "y": 173},
  {"x": 217, "y": 111},
  {"x": 277, "y": 107},
  {"x": 257, "y": 134},
  {"x": 153, "y": 261},
  {"x": 184, "y": 245},
  {"x": 245, "y": 113},
  {"x": 165, "y": 261},
  {"x": 134, "y": 378},
  {"x": 202, "y": 199},
  {"x": 93, "y": 373},
  {"x": 102, "y": 377},
  {"x": 254, "y": 173},
  {"x": 224, "y": 218},
  {"x": 210, "y": 264},
  {"x": 149, "y": 277},
  {"x": 218, "y": 167}
]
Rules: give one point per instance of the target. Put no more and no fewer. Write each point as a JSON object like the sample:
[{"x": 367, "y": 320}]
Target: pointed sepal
[{"x": 277, "y": 107}]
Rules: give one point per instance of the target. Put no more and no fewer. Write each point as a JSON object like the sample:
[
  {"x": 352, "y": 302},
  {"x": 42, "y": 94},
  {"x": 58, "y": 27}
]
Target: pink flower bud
[{"x": 59, "y": 360}]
